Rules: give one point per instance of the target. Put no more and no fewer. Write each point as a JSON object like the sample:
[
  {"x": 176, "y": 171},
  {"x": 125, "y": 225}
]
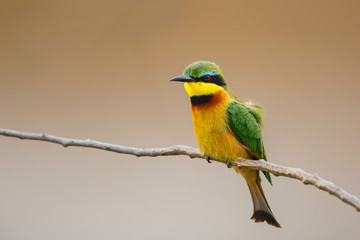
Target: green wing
[{"x": 246, "y": 124}]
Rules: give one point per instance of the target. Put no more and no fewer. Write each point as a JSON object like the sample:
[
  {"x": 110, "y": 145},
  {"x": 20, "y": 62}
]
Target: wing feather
[{"x": 245, "y": 124}]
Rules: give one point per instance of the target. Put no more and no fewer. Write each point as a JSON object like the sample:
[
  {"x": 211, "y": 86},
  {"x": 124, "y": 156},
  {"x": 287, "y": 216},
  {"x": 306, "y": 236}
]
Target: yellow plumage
[
  {"x": 213, "y": 136},
  {"x": 211, "y": 129}
]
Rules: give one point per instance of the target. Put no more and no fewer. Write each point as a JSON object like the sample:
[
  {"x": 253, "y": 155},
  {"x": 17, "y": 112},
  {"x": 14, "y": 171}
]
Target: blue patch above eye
[{"x": 208, "y": 73}]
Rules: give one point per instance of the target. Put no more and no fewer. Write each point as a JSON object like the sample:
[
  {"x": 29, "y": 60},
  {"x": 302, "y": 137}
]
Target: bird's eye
[{"x": 207, "y": 77}]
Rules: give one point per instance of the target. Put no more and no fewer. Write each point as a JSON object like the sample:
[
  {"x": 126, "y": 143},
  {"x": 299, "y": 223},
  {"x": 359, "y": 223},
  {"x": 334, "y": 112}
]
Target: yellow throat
[{"x": 201, "y": 88}]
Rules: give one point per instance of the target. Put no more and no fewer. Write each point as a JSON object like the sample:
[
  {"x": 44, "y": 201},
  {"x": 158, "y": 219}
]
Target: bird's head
[{"x": 202, "y": 78}]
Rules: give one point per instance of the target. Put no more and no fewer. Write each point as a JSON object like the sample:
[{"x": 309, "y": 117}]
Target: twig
[{"x": 275, "y": 169}]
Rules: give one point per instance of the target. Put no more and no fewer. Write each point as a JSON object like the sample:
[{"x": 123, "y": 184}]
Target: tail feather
[
  {"x": 262, "y": 216},
  {"x": 262, "y": 211}
]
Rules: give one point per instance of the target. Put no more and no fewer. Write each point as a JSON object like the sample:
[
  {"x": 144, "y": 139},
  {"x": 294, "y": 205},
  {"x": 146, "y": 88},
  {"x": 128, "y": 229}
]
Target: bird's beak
[{"x": 183, "y": 78}]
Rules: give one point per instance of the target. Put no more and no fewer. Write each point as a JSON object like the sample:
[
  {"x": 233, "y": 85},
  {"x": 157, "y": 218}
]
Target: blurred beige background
[{"x": 100, "y": 70}]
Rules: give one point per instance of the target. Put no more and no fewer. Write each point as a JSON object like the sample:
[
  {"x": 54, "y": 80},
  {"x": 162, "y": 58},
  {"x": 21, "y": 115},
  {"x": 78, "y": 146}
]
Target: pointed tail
[{"x": 262, "y": 211}]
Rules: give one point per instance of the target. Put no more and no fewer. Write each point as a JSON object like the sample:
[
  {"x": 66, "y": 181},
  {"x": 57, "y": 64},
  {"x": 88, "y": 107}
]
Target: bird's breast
[{"x": 211, "y": 130}]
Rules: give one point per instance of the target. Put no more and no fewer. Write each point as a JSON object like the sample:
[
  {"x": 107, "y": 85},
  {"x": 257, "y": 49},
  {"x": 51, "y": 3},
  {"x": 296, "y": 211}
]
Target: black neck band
[{"x": 200, "y": 99}]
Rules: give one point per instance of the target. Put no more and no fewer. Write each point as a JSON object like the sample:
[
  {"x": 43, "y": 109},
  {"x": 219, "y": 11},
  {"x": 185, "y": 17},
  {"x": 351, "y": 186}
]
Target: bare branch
[{"x": 275, "y": 169}]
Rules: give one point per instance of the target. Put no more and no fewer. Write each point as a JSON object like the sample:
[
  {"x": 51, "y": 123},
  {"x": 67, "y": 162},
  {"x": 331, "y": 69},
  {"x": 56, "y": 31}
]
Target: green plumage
[
  {"x": 197, "y": 69},
  {"x": 246, "y": 124}
]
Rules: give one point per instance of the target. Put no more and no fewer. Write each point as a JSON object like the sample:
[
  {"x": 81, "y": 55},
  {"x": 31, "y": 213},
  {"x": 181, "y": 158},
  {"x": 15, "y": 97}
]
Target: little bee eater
[{"x": 226, "y": 128}]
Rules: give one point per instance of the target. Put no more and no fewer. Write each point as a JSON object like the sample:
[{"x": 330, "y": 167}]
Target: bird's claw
[
  {"x": 228, "y": 164},
  {"x": 208, "y": 159}
]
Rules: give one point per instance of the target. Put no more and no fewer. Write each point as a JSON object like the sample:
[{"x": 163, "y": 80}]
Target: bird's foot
[
  {"x": 208, "y": 159},
  {"x": 228, "y": 164}
]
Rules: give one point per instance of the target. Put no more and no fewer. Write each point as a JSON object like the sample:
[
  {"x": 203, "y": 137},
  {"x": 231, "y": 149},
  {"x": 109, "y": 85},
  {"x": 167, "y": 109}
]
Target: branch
[{"x": 262, "y": 165}]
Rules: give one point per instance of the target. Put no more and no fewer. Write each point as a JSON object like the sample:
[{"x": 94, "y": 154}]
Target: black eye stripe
[{"x": 216, "y": 79}]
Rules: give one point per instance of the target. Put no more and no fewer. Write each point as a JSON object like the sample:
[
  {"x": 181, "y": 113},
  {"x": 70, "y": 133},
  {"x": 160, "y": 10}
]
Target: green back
[{"x": 245, "y": 122}]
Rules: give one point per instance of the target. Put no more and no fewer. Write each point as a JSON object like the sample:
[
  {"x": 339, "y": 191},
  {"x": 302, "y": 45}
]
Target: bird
[{"x": 227, "y": 128}]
